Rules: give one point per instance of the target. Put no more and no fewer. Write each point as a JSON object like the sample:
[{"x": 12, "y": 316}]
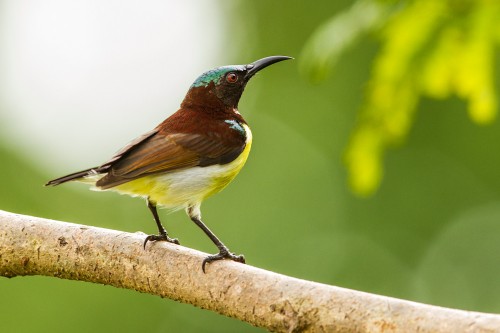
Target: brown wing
[{"x": 159, "y": 152}]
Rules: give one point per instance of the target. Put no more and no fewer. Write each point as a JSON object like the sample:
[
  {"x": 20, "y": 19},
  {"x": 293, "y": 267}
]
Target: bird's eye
[{"x": 231, "y": 77}]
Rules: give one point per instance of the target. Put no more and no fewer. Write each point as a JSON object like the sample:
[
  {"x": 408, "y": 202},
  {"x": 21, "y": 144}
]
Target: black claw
[
  {"x": 162, "y": 237},
  {"x": 163, "y": 233},
  {"x": 220, "y": 256}
]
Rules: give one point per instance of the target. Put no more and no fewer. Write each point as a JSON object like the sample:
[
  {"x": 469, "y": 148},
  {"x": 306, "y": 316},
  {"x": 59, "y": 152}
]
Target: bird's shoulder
[{"x": 225, "y": 124}]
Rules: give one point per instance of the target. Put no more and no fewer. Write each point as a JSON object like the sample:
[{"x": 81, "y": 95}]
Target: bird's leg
[
  {"x": 195, "y": 216},
  {"x": 162, "y": 236}
]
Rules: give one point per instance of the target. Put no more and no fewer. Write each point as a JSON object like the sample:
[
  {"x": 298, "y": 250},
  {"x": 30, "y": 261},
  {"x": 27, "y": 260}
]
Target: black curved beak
[{"x": 256, "y": 66}]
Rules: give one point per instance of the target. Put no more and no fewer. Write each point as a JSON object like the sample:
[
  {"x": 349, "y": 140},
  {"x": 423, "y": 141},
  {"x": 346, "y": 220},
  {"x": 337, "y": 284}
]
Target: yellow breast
[{"x": 185, "y": 187}]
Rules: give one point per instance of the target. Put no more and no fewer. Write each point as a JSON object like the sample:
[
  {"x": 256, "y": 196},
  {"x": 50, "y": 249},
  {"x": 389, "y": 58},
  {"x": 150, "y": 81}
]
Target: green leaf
[{"x": 335, "y": 36}]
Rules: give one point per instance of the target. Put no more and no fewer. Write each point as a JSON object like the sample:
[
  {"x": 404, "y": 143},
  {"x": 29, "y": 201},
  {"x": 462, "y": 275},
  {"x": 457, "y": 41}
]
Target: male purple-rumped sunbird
[{"x": 191, "y": 155}]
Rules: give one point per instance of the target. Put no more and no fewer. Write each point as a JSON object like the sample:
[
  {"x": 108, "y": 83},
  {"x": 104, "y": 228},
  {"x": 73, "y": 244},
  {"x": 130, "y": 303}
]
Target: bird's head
[{"x": 223, "y": 86}]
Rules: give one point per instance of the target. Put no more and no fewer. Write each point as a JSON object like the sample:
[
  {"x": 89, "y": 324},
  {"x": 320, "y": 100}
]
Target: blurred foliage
[
  {"x": 428, "y": 48},
  {"x": 430, "y": 233}
]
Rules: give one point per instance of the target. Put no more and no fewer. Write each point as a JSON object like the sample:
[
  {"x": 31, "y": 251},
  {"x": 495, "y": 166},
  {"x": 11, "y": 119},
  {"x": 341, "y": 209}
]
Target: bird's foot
[
  {"x": 161, "y": 237},
  {"x": 223, "y": 254}
]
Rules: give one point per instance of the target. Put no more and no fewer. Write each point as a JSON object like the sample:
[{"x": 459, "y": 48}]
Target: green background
[{"x": 431, "y": 233}]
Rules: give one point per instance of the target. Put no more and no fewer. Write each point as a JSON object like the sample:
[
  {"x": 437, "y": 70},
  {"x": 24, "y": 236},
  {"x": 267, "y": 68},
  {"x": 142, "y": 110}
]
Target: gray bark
[{"x": 36, "y": 246}]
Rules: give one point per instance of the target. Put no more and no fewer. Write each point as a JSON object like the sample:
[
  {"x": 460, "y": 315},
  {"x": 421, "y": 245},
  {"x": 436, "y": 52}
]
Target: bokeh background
[{"x": 375, "y": 162}]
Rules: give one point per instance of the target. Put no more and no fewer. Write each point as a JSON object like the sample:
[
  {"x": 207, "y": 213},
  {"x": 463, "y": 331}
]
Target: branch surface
[{"x": 36, "y": 246}]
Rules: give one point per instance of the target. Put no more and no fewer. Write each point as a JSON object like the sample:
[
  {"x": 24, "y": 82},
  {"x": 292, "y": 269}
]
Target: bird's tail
[{"x": 80, "y": 175}]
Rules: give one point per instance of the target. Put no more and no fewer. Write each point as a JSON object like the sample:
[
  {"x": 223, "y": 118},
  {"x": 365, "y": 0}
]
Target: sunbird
[{"x": 193, "y": 154}]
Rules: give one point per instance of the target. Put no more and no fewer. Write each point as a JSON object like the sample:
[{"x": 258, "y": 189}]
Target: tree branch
[{"x": 36, "y": 246}]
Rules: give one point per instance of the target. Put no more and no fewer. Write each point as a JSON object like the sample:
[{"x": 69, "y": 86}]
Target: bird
[{"x": 194, "y": 153}]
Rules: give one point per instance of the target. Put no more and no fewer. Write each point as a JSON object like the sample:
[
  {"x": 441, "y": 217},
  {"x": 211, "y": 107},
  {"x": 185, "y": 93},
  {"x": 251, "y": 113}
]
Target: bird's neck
[
  {"x": 217, "y": 114},
  {"x": 204, "y": 102},
  {"x": 195, "y": 100}
]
